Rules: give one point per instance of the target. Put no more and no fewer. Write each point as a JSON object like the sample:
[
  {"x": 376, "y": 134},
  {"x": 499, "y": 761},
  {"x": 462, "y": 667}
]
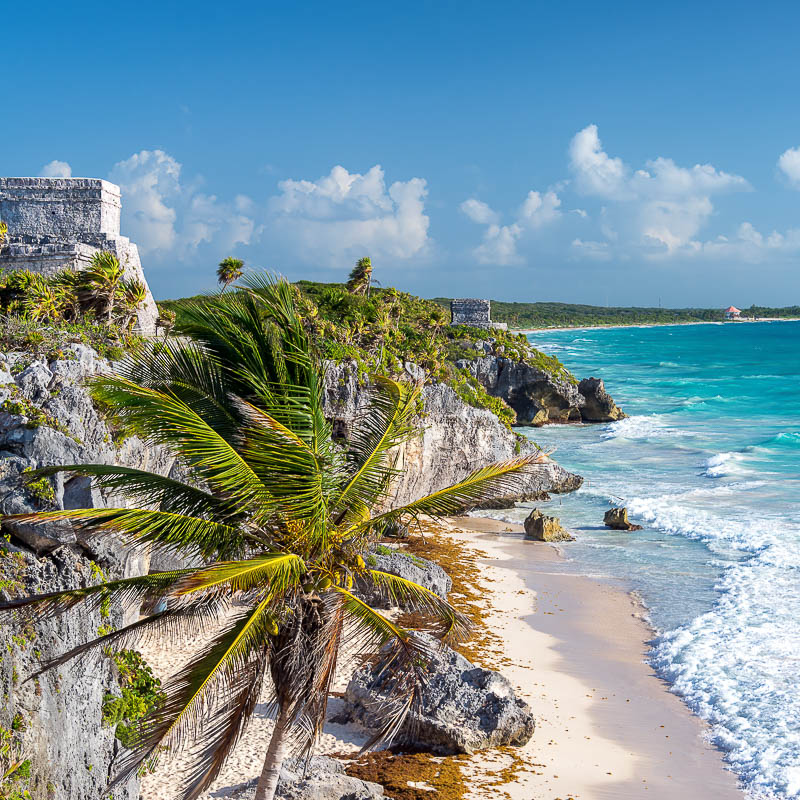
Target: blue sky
[{"x": 585, "y": 152}]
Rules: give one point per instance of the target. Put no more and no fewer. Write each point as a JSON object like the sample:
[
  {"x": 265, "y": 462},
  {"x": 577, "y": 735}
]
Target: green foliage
[
  {"x": 40, "y": 489},
  {"x": 574, "y": 315},
  {"x": 15, "y": 769},
  {"x": 141, "y": 693},
  {"x": 278, "y": 515},
  {"x": 99, "y": 294},
  {"x": 229, "y": 270},
  {"x": 19, "y": 405},
  {"x": 381, "y": 330},
  {"x": 360, "y": 278}
]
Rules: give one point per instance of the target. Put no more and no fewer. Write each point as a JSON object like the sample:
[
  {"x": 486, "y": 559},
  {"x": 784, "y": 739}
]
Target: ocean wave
[
  {"x": 640, "y": 427},
  {"x": 736, "y": 666},
  {"x": 722, "y": 465}
]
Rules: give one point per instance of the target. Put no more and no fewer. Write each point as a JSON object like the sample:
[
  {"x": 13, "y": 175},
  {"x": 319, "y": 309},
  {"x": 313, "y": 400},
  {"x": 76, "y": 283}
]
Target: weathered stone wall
[
  {"x": 60, "y": 223},
  {"x": 473, "y": 312},
  {"x": 63, "y": 208}
]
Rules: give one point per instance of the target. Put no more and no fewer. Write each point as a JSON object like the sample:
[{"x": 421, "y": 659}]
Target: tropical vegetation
[
  {"x": 229, "y": 271},
  {"x": 574, "y": 315},
  {"x": 281, "y": 516},
  {"x": 96, "y": 306},
  {"x": 384, "y": 329},
  {"x": 360, "y": 278}
]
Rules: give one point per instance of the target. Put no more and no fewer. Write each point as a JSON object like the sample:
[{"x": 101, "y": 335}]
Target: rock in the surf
[
  {"x": 599, "y": 406},
  {"x": 617, "y": 518},
  {"x": 545, "y": 529},
  {"x": 464, "y": 708}
]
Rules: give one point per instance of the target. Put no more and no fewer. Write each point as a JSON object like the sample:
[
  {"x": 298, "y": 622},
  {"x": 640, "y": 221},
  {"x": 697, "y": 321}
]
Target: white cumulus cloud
[
  {"x": 789, "y": 165},
  {"x": 499, "y": 244},
  {"x": 659, "y": 209},
  {"x": 479, "y": 212},
  {"x": 56, "y": 169},
  {"x": 165, "y": 215},
  {"x": 344, "y": 215}
]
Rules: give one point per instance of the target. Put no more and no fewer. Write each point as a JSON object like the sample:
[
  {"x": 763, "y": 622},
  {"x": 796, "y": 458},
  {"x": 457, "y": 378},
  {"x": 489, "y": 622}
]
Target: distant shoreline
[{"x": 652, "y": 325}]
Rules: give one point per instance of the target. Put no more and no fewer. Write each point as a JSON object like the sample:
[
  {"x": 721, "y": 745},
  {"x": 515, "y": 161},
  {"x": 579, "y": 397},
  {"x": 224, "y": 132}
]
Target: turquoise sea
[{"x": 708, "y": 462}]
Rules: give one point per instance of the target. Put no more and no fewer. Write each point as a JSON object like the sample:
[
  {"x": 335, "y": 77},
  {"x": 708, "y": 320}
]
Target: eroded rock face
[
  {"x": 464, "y": 707},
  {"x": 49, "y": 419},
  {"x": 617, "y": 518},
  {"x": 599, "y": 406},
  {"x": 538, "y": 397},
  {"x": 319, "y": 778},
  {"x": 545, "y": 529},
  {"x": 455, "y": 440},
  {"x": 411, "y": 568}
]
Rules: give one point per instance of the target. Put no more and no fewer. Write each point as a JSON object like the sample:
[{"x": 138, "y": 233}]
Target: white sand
[{"x": 574, "y": 648}]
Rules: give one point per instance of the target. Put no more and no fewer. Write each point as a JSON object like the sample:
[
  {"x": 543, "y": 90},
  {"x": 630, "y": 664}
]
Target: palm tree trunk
[{"x": 276, "y": 751}]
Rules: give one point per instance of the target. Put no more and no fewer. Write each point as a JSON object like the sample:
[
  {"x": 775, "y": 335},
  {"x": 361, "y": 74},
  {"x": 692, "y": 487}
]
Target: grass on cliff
[{"x": 386, "y": 328}]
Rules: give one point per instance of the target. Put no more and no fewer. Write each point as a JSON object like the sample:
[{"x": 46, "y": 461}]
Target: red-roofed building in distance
[{"x": 732, "y": 312}]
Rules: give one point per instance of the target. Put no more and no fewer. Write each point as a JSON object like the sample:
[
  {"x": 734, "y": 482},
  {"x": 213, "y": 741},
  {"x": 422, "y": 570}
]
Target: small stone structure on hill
[
  {"x": 60, "y": 223},
  {"x": 473, "y": 312}
]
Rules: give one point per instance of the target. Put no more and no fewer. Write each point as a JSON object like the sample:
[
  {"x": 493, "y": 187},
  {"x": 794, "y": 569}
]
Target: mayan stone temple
[
  {"x": 476, "y": 313},
  {"x": 59, "y": 223}
]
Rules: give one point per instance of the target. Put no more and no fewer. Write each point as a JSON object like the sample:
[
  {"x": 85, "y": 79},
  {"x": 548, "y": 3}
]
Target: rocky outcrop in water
[
  {"x": 617, "y": 519},
  {"x": 464, "y": 707},
  {"x": 539, "y": 397},
  {"x": 542, "y": 528},
  {"x": 599, "y": 406},
  {"x": 455, "y": 440},
  {"x": 47, "y": 418}
]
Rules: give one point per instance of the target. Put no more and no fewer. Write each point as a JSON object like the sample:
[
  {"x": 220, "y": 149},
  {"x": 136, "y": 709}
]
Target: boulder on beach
[
  {"x": 464, "y": 708},
  {"x": 411, "y": 568},
  {"x": 617, "y": 518},
  {"x": 318, "y": 778},
  {"x": 542, "y": 528},
  {"x": 599, "y": 406}
]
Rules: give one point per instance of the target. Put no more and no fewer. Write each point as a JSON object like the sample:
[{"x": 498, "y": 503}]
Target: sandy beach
[
  {"x": 651, "y": 325},
  {"x": 574, "y": 649}
]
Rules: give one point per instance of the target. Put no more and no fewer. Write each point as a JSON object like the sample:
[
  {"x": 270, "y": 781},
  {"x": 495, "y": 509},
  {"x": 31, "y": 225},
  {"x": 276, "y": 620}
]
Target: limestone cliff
[
  {"x": 47, "y": 417},
  {"x": 539, "y": 397},
  {"x": 455, "y": 439}
]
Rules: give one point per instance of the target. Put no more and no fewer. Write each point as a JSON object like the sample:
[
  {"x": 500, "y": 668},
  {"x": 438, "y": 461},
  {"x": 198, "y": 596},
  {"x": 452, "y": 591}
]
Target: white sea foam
[
  {"x": 737, "y": 667},
  {"x": 647, "y": 426},
  {"x": 722, "y": 465}
]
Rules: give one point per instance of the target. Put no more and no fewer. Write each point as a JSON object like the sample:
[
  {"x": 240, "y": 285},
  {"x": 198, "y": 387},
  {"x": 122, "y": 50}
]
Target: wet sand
[{"x": 607, "y": 726}]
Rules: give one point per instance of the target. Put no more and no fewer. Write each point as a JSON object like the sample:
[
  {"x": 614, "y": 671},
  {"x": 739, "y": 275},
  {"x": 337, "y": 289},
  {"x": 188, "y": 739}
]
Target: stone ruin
[
  {"x": 60, "y": 223},
  {"x": 476, "y": 313}
]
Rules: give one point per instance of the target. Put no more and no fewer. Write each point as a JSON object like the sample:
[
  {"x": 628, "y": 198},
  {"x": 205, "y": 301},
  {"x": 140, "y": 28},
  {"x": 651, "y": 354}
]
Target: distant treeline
[{"x": 564, "y": 315}]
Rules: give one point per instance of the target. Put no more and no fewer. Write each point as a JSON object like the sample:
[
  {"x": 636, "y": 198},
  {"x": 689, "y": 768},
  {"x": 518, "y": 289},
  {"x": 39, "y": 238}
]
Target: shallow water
[{"x": 709, "y": 464}]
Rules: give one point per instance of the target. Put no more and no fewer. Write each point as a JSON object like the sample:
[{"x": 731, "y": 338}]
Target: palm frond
[
  {"x": 275, "y": 572},
  {"x": 161, "y": 418},
  {"x": 375, "y": 433},
  {"x": 219, "y": 674},
  {"x": 178, "y": 533},
  {"x": 126, "y": 591},
  {"x": 452, "y": 626},
  {"x": 480, "y": 486},
  {"x": 404, "y": 661},
  {"x": 146, "y": 487}
]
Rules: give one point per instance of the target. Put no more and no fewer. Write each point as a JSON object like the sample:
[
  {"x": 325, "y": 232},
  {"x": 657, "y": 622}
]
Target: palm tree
[
  {"x": 229, "y": 270},
  {"x": 100, "y": 283},
  {"x": 133, "y": 297},
  {"x": 360, "y": 277},
  {"x": 281, "y": 517}
]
